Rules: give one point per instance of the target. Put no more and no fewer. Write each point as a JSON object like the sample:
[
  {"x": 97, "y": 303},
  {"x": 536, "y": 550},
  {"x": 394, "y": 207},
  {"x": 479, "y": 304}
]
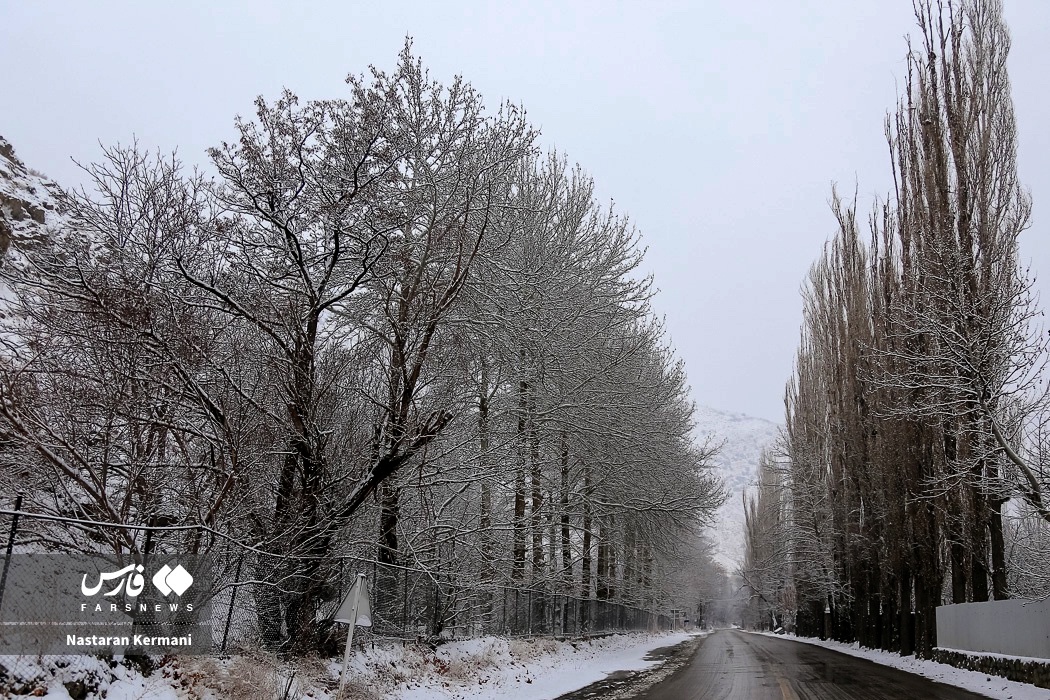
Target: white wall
[{"x": 1013, "y": 627}]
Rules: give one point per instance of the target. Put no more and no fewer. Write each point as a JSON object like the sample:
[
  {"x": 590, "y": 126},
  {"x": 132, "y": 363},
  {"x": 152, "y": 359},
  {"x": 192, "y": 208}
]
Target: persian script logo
[
  {"x": 166, "y": 580},
  {"x": 130, "y": 574}
]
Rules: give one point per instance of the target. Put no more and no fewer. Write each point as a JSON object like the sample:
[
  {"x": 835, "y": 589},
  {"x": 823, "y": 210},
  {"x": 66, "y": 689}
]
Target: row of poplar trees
[
  {"x": 913, "y": 435},
  {"x": 382, "y": 329}
]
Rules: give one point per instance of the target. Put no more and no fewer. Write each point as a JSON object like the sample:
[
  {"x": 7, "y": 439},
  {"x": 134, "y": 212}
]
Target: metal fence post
[
  {"x": 404, "y": 607},
  {"x": 10, "y": 547},
  {"x": 529, "y": 611},
  {"x": 233, "y": 600},
  {"x": 149, "y": 542}
]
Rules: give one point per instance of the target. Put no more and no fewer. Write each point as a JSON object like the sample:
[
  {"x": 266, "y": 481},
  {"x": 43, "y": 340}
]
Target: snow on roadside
[
  {"x": 488, "y": 668},
  {"x": 495, "y": 668},
  {"x": 993, "y": 686}
]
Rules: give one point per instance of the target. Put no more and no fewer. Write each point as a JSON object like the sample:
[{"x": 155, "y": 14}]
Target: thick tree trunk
[
  {"x": 1000, "y": 590},
  {"x": 978, "y": 533},
  {"x": 979, "y": 548},
  {"x": 907, "y": 643},
  {"x": 601, "y": 591},
  {"x": 389, "y": 511}
]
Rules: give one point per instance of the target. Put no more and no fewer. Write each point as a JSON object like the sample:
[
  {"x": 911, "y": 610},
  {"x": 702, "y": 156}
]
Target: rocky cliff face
[{"x": 27, "y": 202}]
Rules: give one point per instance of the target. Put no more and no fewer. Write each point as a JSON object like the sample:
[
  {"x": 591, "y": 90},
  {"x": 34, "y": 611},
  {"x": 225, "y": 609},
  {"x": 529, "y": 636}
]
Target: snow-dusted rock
[{"x": 27, "y": 201}]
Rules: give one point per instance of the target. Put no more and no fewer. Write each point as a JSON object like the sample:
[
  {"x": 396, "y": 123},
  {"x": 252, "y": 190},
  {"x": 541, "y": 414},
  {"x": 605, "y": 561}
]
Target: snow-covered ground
[
  {"x": 497, "y": 668},
  {"x": 975, "y": 681},
  {"x": 489, "y": 668},
  {"x": 58, "y": 676}
]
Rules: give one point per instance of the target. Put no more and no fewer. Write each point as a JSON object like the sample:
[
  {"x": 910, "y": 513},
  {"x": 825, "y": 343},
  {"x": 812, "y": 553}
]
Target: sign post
[{"x": 354, "y": 610}]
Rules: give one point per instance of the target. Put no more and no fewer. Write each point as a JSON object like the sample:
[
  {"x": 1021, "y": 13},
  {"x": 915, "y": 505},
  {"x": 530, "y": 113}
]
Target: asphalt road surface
[{"x": 733, "y": 665}]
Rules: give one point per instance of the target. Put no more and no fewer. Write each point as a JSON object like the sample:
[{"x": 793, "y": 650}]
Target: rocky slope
[{"x": 27, "y": 201}]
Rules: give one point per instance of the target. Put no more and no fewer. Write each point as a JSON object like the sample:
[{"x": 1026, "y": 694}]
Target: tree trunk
[
  {"x": 601, "y": 591},
  {"x": 485, "y": 519},
  {"x": 566, "y": 549},
  {"x": 389, "y": 510},
  {"x": 1000, "y": 590},
  {"x": 539, "y": 612},
  {"x": 907, "y": 645},
  {"x": 518, "y": 569}
]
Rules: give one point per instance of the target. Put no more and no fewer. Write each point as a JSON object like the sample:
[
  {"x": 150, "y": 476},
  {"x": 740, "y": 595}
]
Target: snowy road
[{"x": 732, "y": 665}]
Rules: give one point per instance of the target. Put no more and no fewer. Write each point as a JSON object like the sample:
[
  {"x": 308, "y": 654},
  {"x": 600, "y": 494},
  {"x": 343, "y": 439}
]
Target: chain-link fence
[
  {"x": 413, "y": 604},
  {"x": 408, "y": 604}
]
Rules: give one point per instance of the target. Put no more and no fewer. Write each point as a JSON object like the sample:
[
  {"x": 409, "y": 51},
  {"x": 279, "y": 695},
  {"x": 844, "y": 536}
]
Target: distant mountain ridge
[{"x": 743, "y": 438}]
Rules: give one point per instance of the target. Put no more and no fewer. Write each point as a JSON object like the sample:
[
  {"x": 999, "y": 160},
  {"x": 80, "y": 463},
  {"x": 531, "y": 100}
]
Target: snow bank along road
[{"x": 733, "y": 665}]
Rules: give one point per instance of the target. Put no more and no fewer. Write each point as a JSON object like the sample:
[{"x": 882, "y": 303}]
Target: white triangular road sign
[{"x": 355, "y": 608}]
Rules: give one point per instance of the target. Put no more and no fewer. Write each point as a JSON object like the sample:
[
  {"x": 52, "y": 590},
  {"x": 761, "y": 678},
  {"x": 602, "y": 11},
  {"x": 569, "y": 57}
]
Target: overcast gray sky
[{"x": 718, "y": 126}]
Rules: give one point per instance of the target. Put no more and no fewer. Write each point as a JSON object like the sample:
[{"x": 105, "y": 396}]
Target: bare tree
[
  {"x": 767, "y": 566},
  {"x": 917, "y": 403}
]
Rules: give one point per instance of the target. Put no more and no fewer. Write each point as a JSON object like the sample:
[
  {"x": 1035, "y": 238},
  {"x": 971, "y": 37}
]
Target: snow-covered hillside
[
  {"x": 744, "y": 437},
  {"x": 26, "y": 201}
]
